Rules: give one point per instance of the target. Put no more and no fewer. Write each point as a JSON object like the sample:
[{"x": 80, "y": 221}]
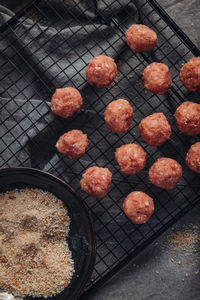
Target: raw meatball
[
  {"x": 165, "y": 173},
  {"x": 193, "y": 158},
  {"x": 72, "y": 144},
  {"x": 66, "y": 101},
  {"x": 138, "y": 207},
  {"x": 157, "y": 78},
  {"x": 190, "y": 74},
  {"x": 101, "y": 71},
  {"x": 131, "y": 158},
  {"x": 187, "y": 118},
  {"x": 96, "y": 181},
  {"x": 141, "y": 38},
  {"x": 155, "y": 129},
  {"x": 118, "y": 115}
]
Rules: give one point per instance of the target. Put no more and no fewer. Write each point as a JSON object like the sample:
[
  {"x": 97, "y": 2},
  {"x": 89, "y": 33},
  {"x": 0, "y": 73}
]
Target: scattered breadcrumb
[
  {"x": 184, "y": 240},
  {"x": 182, "y": 245},
  {"x": 34, "y": 257}
]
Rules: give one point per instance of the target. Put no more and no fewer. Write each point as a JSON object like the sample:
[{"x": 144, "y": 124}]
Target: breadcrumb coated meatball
[
  {"x": 118, "y": 115},
  {"x": 187, "y": 118},
  {"x": 193, "y": 158},
  {"x": 190, "y": 74},
  {"x": 131, "y": 158},
  {"x": 141, "y": 38},
  {"x": 138, "y": 207},
  {"x": 165, "y": 173},
  {"x": 72, "y": 144},
  {"x": 101, "y": 71},
  {"x": 66, "y": 101},
  {"x": 96, "y": 181},
  {"x": 157, "y": 78},
  {"x": 155, "y": 129}
]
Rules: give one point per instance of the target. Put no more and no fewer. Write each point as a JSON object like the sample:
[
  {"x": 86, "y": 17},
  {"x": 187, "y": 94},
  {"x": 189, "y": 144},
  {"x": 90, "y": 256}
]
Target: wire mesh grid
[{"x": 47, "y": 48}]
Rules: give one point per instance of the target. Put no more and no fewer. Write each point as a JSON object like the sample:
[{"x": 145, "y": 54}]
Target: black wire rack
[{"x": 43, "y": 48}]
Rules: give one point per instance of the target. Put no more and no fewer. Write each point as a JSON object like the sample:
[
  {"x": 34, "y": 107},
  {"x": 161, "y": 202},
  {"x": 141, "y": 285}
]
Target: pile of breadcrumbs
[{"x": 34, "y": 256}]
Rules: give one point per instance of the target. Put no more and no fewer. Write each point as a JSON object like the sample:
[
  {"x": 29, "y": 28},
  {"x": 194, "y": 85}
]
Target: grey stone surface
[
  {"x": 157, "y": 274},
  {"x": 186, "y": 14}
]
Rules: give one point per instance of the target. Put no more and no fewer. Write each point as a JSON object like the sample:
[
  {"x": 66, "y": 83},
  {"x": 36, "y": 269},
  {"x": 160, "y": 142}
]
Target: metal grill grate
[{"x": 30, "y": 72}]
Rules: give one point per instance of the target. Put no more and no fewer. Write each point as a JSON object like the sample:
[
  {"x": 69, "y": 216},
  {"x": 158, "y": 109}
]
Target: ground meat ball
[
  {"x": 187, "y": 118},
  {"x": 165, "y": 173},
  {"x": 138, "y": 207},
  {"x": 118, "y": 115},
  {"x": 141, "y": 38},
  {"x": 96, "y": 181},
  {"x": 190, "y": 74},
  {"x": 72, "y": 144},
  {"x": 131, "y": 158},
  {"x": 65, "y": 102},
  {"x": 101, "y": 71},
  {"x": 157, "y": 78},
  {"x": 155, "y": 129},
  {"x": 193, "y": 158}
]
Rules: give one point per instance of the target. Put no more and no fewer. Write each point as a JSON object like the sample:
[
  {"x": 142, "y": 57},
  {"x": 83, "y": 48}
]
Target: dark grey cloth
[{"x": 37, "y": 58}]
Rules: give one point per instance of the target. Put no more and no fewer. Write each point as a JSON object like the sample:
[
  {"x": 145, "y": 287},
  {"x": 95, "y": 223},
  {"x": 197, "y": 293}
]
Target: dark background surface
[{"x": 152, "y": 274}]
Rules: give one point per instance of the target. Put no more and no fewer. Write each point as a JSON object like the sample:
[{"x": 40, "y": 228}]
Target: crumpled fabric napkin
[{"x": 47, "y": 51}]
